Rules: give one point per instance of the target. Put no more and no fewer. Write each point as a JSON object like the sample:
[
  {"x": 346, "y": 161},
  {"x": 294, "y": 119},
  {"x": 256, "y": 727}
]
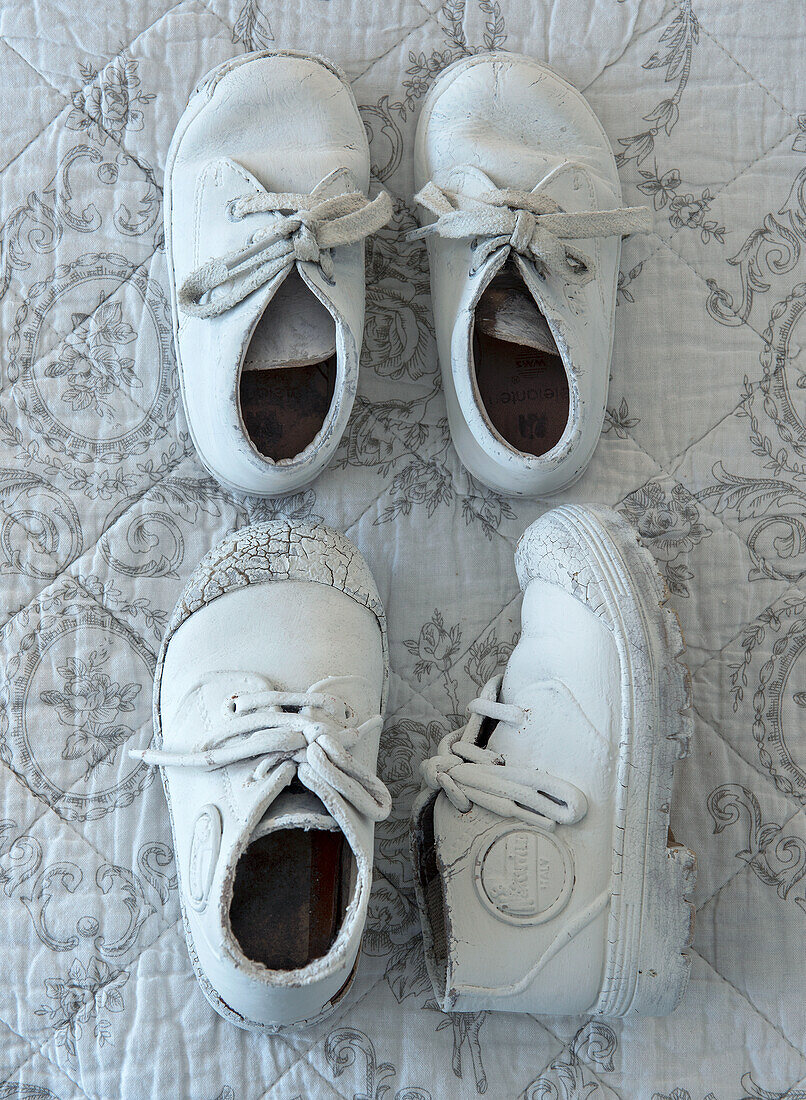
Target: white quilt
[{"x": 104, "y": 510}]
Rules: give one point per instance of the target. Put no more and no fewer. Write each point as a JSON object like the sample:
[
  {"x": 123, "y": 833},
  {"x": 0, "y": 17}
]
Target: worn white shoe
[
  {"x": 522, "y": 198},
  {"x": 266, "y": 213},
  {"x": 268, "y": 697},
  {"x": 547, "y": 878}
]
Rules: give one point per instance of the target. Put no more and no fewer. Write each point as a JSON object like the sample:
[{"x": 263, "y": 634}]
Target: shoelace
[
  {"x": 530, "y": 223},
  {"x": 306, "y": 227},
  {"x": 308, "y": 729},
  {"x": 469, "y": 774}
]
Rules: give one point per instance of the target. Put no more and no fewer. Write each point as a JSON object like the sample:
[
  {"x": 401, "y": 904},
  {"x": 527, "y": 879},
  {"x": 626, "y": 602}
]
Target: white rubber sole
[{"x": 651, "y": 921}]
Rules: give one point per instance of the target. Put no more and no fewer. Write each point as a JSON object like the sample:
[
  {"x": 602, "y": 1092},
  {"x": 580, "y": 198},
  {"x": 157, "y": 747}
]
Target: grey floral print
[
  {"x": 252, "y": 27},
  {"x": 90, "y": 703},
  {"x": 776, "y": 857},
  {"x": 573, "y": 1073},
  {"x": 488, "y": 657},
  {"x": 92, "y": 362},
  {"x": 618, "y": 419},
  {"x": 110, "y": 103},
  {"x": 350, "y": 1048},
  {"x": 104, "y": 510},
  {"x": 669, "y": 523},
  {"x": 685, "y": 210},
  {"x": 85, "y": 995}
]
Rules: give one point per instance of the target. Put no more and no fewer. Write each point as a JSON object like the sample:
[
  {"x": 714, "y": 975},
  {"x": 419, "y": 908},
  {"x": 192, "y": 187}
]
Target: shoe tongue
[
  {"x": 296, "y": 330},
  {"x": 507, "y": 311},
  {"x": 506, "y": 737},
  {"x": 294, "y": 809}
]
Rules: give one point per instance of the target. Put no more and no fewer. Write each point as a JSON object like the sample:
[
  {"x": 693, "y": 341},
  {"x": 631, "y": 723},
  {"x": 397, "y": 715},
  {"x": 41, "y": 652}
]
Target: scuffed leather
[
  {"x": 282, "y": 122},
  {"x": 501, "y": 120},
  {"x": 595, "y": 648},
  {"x": 278, "y": 606}
]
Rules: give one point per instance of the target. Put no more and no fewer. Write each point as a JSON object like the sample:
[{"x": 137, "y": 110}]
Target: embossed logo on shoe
[
  {"x": 204, "y": 847},
  {"x": 523, "y": 875}
]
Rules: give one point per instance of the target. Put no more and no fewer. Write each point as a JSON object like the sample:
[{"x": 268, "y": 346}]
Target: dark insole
[
  {"x": 524, "y": 392},
  {"x": 288, "y": 897},
  {"x": 283, "y": 408}
]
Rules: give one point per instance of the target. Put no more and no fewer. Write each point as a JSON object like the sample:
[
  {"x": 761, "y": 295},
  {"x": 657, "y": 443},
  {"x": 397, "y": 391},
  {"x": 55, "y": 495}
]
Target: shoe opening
[
  {"x": 288, "y": 376},
  {"x": 520, "y": 376},
  {"x": 290, "y": 896},
  {"x": 431, "y": 884}
]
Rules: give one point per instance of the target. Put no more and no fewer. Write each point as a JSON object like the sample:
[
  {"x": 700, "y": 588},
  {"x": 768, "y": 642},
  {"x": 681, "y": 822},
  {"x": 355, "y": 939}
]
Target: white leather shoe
[
  {"x": 265, "y": 219},
  {"x": 520, "y": 189},
  {"x": 547, "y": 878},
  {"x": 268, "y": 697}
]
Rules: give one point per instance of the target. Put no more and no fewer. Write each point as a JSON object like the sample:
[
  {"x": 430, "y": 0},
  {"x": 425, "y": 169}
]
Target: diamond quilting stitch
[{"x": 593, "y": 1056}]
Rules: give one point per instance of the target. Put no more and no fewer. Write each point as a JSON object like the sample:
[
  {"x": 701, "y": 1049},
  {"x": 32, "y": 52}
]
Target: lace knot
[
  {"x": 310, "y": 730},
  {"x": 305, "y": 228},
  {"x": 527, "y": 222},
  {"x": 524, "y": 231}
]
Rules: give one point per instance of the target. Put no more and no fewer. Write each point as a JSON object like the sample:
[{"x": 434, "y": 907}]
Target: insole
[
  {"x": 284, "y": 408},
  {"x": 524, "y": 392},
  {"x": 289, "y": 371},
  {"x": 519, "y": 371},
  {"x": 288, "y": 897}
]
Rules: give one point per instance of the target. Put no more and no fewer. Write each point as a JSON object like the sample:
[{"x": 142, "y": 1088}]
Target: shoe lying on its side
[
  {"x": 521, "y": 192},
  {"x": 268, "y": 697},
  {"x": 547, "y": 878},
  {"x": 266, "y": 212}
]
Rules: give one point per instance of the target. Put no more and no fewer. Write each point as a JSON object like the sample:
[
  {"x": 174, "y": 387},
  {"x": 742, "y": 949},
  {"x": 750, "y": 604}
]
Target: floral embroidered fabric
[{"x": 105, "y": 511}]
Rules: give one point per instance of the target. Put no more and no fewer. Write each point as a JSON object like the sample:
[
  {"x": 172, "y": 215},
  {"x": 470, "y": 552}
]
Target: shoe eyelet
[
  {"x": 473, "y": 272},
  {"x": 474, "y": 244},
  {"x": 229, "y": 210}
]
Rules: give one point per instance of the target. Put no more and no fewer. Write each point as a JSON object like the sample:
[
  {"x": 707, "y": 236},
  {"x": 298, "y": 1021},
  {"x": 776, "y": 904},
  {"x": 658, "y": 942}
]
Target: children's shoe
[
  {"x": 520, "y": 188},
  {"x": 547, "y": 878},
  {"x": 266, "y": 212},
  {"x": 268, "y": 697}
]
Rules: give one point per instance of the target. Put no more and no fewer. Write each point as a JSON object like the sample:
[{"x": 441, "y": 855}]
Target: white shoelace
[
  {"x": 530, "y": 223},
  {"x": 469, "y": 774},
  {"x": 306, "y": 227},
  {"x": 308, "y": 729}
]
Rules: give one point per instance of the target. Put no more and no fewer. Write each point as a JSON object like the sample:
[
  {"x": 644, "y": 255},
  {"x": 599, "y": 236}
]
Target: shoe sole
[{"x": 651, "y": 920}]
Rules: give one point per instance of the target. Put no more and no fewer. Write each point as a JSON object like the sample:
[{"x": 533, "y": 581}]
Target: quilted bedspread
[{"x": 105, "y": 510}]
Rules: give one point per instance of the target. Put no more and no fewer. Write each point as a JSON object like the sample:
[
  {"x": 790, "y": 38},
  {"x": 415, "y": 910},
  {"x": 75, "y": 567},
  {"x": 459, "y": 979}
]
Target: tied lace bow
[
  {"x": 468, "y": 773},
  {"x": 307, "y": 730},
  {"x": 306, "y": 227},
  {"x": 528, "y": 222}
]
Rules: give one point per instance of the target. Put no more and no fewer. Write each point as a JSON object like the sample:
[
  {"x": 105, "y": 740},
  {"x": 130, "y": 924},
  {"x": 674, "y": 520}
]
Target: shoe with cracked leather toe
[
  {"x": 523, "y": 218},
  {"x": 266, "y": 214},
  {"x": 547, "y": 876},
  {"x": 268, "y": 700}
]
